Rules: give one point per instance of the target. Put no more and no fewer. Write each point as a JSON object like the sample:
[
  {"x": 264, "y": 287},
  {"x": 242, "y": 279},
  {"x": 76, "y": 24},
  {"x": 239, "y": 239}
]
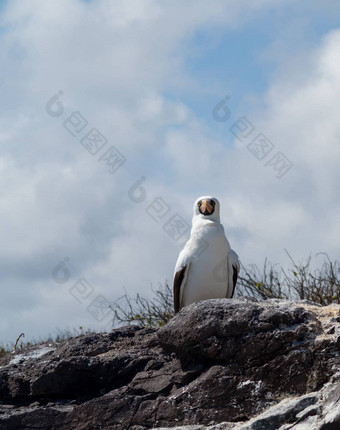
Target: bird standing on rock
[{"x": 207, "y": 267}]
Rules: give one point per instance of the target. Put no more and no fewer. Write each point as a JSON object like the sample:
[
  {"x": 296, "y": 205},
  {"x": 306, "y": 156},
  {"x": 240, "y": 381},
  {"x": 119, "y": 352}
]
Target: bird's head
[{"x": 207, "y": 207}]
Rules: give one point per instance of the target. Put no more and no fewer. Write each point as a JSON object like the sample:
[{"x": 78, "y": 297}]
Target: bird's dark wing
[
  {"x": 235, "y": 274},
  {"x": 233, "y": 270},
  {"x": 178, "y": 284}
]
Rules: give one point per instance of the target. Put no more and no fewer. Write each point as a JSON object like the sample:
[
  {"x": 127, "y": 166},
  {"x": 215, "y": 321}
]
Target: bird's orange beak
[{"x": 207, "y": 207}]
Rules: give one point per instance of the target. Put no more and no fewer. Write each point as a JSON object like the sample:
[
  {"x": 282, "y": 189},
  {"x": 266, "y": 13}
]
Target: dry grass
[
  {"x": 299, "y": 281},
  {"x": 145, "y": 312}
]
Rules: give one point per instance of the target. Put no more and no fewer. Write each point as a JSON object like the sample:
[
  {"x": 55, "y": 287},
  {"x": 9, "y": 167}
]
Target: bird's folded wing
[
  {"x": 233, "y": 268},
  {"x": 179, "y": 283}
]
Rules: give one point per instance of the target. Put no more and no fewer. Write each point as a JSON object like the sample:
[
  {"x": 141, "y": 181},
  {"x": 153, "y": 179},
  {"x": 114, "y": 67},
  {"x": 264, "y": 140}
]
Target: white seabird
[{"x": 207, "y": 267}]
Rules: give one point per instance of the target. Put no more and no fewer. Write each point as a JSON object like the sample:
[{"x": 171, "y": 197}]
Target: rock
[
  {"x": 331, "y": 407},
  {"x": 218, "y": 364},
  {"x": 286, "y": 411}
]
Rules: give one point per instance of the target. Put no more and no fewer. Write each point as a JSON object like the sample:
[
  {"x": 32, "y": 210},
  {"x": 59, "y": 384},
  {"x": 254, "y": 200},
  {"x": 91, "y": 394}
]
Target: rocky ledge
[{"x": 218, "y": 364}]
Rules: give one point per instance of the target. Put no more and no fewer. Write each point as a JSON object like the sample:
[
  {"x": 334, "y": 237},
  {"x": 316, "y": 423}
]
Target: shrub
[
  {"x": 145, "y": 312},
  {"x": 299, "y": 281}
]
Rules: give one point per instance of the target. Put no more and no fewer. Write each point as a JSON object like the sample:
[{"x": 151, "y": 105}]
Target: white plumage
[{"x": 206, "y": 267}]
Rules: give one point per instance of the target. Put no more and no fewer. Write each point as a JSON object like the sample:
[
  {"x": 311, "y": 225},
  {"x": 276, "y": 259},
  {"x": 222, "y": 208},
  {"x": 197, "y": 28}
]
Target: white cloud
[
  {"x": 115, "y": 61},
  {"x": 301, "y": 120}
]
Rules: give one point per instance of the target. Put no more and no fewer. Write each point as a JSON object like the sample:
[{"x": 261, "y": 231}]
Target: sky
[{"x": 116, "y": 115}]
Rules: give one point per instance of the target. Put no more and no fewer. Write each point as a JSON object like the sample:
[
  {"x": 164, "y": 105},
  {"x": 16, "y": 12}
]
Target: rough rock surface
[{"x": 218, "y": 364}]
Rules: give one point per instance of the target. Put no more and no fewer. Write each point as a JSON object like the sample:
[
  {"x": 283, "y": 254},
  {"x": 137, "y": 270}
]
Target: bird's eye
[
  {"x": 212, "y": 203},
  {"x": 199, "y": 204}
]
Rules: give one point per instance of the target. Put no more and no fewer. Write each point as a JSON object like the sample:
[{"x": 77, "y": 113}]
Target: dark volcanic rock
[{"x": 241, "y": 363}]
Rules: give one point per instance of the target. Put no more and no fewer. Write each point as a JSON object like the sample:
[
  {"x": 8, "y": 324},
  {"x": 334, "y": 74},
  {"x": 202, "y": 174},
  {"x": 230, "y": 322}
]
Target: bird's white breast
[{"x": 206, "y": 251}]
